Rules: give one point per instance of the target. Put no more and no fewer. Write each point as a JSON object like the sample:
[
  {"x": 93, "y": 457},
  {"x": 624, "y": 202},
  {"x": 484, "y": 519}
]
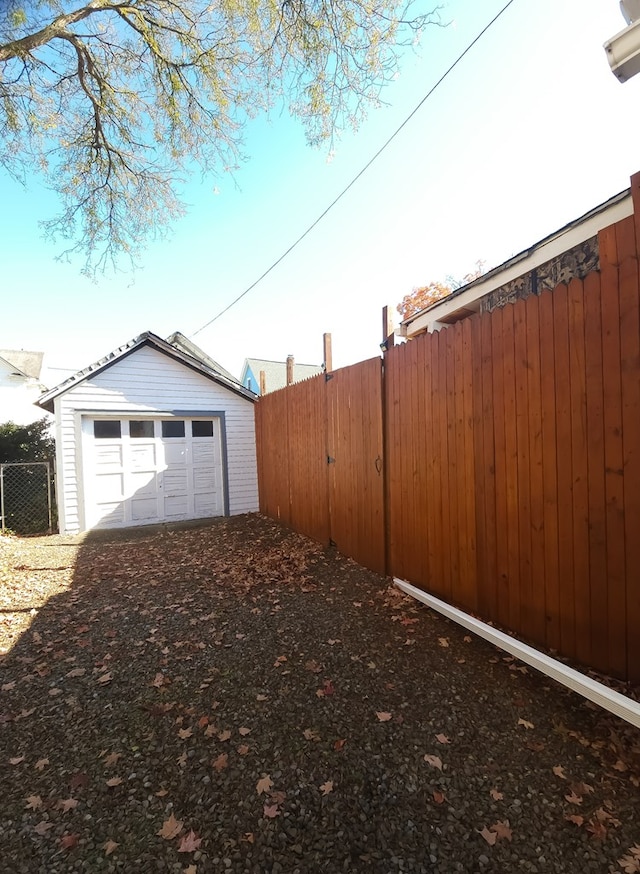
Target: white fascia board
[
  {"x": 556, "y": 245},
  {"x": 624, "y": 707}
]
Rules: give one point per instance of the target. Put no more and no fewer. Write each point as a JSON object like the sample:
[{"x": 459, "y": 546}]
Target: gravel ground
[{"x": 232, "y": 697}]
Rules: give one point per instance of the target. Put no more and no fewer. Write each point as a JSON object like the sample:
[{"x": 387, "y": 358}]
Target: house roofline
[
  {"x": 148, "y": 338},
  {"x": 466, "y": 300}
]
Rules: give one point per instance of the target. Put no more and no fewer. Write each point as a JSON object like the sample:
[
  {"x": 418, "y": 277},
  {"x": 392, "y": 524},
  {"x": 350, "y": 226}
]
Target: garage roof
[{"x": 206, "y": 367}]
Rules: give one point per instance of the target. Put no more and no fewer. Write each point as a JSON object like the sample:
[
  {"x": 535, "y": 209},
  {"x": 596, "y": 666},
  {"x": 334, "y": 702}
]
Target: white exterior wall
[
  {"x": 18, "y": 395},
  {"x": 147, "y": 381}
]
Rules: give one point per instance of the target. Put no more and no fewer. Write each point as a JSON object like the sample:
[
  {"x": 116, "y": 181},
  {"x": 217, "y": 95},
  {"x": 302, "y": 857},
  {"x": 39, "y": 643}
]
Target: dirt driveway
[{"x": 232, "y": 697}]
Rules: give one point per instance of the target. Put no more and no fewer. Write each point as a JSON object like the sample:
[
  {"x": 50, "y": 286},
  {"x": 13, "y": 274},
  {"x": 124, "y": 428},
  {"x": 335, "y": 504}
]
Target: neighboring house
[
  {"x": 571, "y": 252},
  {"x": 152, "y": 433},
  {"x": 20, "y": 386},
  {"x": 275, "y": 373}
]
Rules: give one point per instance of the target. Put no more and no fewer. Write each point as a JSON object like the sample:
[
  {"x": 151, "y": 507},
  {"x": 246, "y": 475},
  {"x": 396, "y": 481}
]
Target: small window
[
  {"x": 142, "y": 428},
  {"x": 202, "y": 429},
  {"x": 107, "y": 429},
  {"x": 173, "y": 428}
]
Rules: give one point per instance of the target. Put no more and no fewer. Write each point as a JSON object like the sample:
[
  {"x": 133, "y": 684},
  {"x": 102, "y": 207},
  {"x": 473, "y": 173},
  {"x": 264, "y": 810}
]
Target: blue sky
[{"x": 529, "y": 132}]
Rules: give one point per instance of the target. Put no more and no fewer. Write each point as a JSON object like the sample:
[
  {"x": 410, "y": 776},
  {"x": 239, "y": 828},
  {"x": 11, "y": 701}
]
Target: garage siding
[{"x": 149, "y": 381}]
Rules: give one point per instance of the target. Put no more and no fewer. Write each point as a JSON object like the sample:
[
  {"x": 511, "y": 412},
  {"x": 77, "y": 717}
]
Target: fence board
[
  {"x": 500, "y": 444},
  {"x": 536, "y": 611},
  {"x": 580, "y": 485},
  {"x": 630, "y": 365},
  {"x": 550, "y": 475},
  {"x": 613, "y": 457},
  {"x": 596, "y": 465}
]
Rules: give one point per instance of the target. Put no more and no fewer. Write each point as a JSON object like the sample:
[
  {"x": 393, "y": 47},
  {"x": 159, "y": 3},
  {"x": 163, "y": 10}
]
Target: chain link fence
[{"x": 26, "y": 497}]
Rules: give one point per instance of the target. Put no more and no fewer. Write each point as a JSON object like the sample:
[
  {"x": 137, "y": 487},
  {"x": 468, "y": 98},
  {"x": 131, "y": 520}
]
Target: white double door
[{"x": 142, "y": 471}]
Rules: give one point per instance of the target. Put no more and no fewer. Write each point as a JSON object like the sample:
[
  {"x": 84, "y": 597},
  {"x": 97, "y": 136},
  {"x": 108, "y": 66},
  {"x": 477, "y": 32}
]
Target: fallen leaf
[
  {"x": 34, "y": 802},
  {"x": 575, "y": 819},
  {"x": 327, "y": 787},
  {"x": 68, "y": 842},
  {"x": 496, "y": 794},
  {"x": 434, "y": 761},
  {"x": 15, "y": 760},
  {"x": 171, "y": 828},
  {"x": 224, "y": 735},
  {"x": 244, "y": 731},
  {"x": 53, "y": 693},
  {"x": 264, "y": 784},
  {"x": 596, "y": 828},
  {"x": 271, "y": 811},
  {"x": 525, "y": 724},
  {"x": 339, "y": 744},
  {"x": 328, "y": 687},
  {"x": 161, "y": 793},
  {"x": 310, "y": 734},
  {"x": 7, "y": 687},
  {"x": 502, "y": 829},
  {"x": 243, "y": 749},
  {"x": 184, "y": 733},
  {"x": 79, "y": 780},
  {"x": 630, "y": 863},
  {"x": 383, "y": 716},
  {"x": 572, "y": 798},
  {"x": 248, "y": 837},
  {"x": 620, "y": 766},
  {"x": 558, "y": 770},
  {"x": 114, "y": 781},
  {"x": 111, "y": 759},
  {"x": 262, "y": 697},
  {"x": 442, "y": 739},
  {"x": 77, "y": 672},
  {"x": 313, "y": 666},
  {"x": 443, "y": 641},
  {"x": 42, "y": 827},
  {"x": 221, "y": 762},
  {"x": 67, "y": 804},
  {"x": 489, "y": 836},
  {"x": 103, "y": 679},
  {"x": 109, "y": 847},
  {"x": 438, "y": 796},
  {"x": 189, "y": 843},
  {"x": 191, "y": 869}
]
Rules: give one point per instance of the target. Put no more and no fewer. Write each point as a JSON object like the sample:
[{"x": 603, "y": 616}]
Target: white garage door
[{"x": 141, "y": 471}]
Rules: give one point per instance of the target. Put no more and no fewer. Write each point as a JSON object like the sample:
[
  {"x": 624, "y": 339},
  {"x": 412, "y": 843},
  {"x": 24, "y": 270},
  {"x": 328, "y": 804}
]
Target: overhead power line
[{"x": 361, "y": 172}]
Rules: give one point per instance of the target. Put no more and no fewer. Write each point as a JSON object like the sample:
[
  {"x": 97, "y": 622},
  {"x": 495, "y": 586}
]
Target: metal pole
[{"x": 49, "y": 496}]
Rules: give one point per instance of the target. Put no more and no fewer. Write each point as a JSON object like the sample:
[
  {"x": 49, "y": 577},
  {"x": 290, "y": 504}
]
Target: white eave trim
[
  {"x": 546, "y": 250},
  {"x": 624, "y": 707}
]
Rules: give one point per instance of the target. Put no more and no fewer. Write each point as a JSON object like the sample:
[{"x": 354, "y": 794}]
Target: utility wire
[{"x": 361, "y": 173}]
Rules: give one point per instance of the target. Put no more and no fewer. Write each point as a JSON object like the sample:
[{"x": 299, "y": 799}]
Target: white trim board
[{"x": 621, "y": 705}]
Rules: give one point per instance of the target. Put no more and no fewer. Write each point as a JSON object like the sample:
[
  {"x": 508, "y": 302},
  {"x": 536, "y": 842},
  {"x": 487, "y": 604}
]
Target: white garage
[{"x": 152, "y": 433}]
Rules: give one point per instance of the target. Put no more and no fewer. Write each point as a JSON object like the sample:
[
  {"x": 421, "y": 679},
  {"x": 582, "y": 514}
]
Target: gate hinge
[
  {"x": 330, "y": 460},
  {"x": 328, "y": 376}
]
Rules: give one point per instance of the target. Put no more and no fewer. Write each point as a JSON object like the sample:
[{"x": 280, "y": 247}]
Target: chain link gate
[{"x": 26, "y": 500}]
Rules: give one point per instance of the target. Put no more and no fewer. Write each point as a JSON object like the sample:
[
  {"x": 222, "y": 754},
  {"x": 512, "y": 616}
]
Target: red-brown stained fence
[{"x": 511, "y": 462}]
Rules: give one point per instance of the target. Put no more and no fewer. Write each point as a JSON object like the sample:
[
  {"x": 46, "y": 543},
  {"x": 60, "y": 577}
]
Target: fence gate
[
  {"x": 26, "y": 505},
  {"x": 356, "y": 481}
]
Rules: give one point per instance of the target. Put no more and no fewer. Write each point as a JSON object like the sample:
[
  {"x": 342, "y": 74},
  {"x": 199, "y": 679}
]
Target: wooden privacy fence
[{"x": 496, "y": 464}]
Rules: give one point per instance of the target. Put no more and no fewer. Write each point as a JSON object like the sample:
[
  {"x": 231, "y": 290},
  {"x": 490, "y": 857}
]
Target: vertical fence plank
[
  {"x": 549, "y": 474},
  {"x": 630, "y": 362},
  {"x": 537, "y": 603},
  {"x": 521, "y": 368},
  {"x": 452, "y": 464},
  {"x": 470, "y": 589},
  {"x": 577, "y": 356},
  {"x": 511, "y": 462},
  {"x": 502, "y": 510},
  {"x": 596, "y": 464},
  {"x": 565, "y": 498},
  {"x": 613, "y": 459}
]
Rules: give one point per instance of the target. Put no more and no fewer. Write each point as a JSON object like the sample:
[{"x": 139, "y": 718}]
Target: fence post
[{"x": 2, "y": 497}]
